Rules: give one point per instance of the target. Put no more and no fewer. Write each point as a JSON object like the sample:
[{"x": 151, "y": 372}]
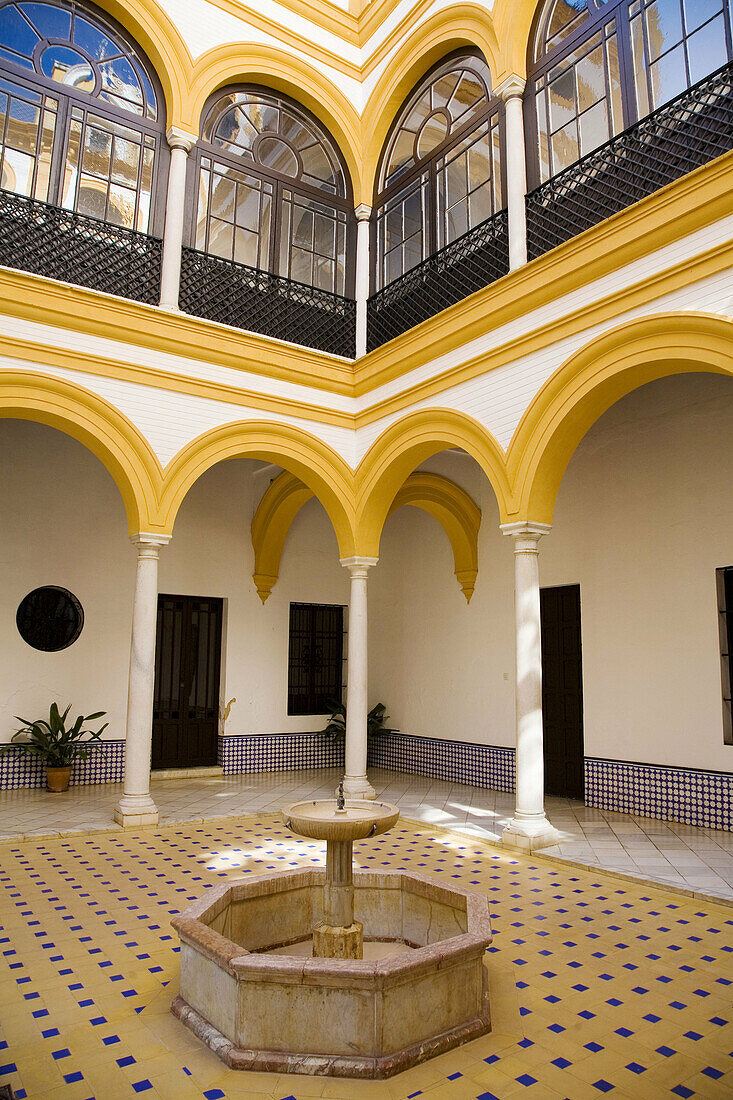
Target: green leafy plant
[
  {"x": 336, "y": 727},
  {"x": 50, "y": 740}
]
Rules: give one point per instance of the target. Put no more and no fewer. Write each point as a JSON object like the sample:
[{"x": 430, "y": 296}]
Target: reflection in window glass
[{"x": 103, "y": 167}]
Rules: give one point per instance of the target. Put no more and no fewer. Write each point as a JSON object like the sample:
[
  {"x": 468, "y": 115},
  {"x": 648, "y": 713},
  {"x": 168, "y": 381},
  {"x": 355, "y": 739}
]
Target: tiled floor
[
  {"x": 597, "y": 985},
  {"x": 700, "y": 860}
]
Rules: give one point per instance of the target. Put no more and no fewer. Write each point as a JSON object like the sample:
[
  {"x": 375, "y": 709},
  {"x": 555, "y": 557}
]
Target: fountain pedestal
[{"x": 338, "y": 935}]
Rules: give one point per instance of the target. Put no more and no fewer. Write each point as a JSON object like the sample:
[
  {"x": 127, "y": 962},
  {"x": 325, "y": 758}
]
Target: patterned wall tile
[
  {"x": 18, "y": 770},
  {"x": 670, "y": 794},
  {"x": 458, "y": 762},
  {"x": 279, "y": 752}
]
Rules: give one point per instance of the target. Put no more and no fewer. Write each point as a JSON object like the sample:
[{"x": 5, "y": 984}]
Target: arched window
[
  {"x": 441, "y": 173},
  {"x": 80, "y": 113},
  {"x": 598, "y": 66},
  {"x": 272, "y": 191}
]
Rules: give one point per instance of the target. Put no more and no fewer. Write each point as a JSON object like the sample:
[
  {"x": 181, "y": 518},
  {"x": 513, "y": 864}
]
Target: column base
[
  {"x": 358, "y": 786},
  {"x": 527, "y": 834},
  {"x": 136, "y": 809}
]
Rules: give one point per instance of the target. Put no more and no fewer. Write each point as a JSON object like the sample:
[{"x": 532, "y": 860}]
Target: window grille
[
  {"x": 315, "y": 663},
  {"x": 724, "y": 583}
]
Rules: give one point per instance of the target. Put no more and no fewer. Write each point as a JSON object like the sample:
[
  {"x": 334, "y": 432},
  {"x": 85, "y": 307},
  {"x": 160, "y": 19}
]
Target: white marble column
[
  {"x": 356, "y": 784},
  {"x": 511, "y": 91},
  {"x": 529, "y": 828},
  {"x": 361, "y": 293},
  {"x": 136, "y": 807},
  {"x": 181, "y": 144}
]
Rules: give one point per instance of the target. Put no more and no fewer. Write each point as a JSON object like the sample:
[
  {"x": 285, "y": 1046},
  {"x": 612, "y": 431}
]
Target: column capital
[
  {"x": 363, "y": 212},
  {"x": 358, "y": 566},
  {"x": 526, "y": 534},
  {"x": 180, "y": 139},
  {"x": 511, "y": 88},
  {"x": 149, "y": 544}
]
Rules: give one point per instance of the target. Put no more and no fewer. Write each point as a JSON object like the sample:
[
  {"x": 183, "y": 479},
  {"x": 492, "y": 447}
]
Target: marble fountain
[{"x": 334, "y": 971}]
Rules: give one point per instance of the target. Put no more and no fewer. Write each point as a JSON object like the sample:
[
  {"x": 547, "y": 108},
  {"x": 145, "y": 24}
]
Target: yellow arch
[
  {"x": 441, "y": 498},
  {"x": 314, "y": 462},
  {"x": 283, "y": 72},
  {"x": 452, "y": 28},
  {"x": 152, "y": 28},
  {"x": 402, "y": 447},
  {"x": 513, "y": 20},
  {"x": 595, "y": 378},
  {"x": 99, "y": 426}
]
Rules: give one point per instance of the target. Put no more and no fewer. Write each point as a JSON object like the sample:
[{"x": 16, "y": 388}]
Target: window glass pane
[
  {"x": 562, "y": 100},
  {"x": 67, "y": 66},
  {"x": 456, "y": 184},
  {"x": 22, "y": 125},
  {"x": 222, "y": 197},
  {"x": 402, "y": 154},
  {"x": 443, "y": 89},
  {"x": 301, "y": 266},
  {"x": 120, "y": 83},
  {"x": 324, "y": 235},
  {"x": 614, "y": 78},
  {"x": 564, "y": 17},
  {"x": 698, "y": 12},
  {"x": 433, "y": 132},
  {"x": 412, "y": 252},
  {"x": 93, "y": 41},
  {"x": 246, "y": 247},
  {"x": 43, "y": 169},
  {"x": 565, "y": 147},
  {"x": 590, "y": 79},
  {"x": 15, "y": 33},
  {"x": 668, "y": 76},
  {"x": 640, "y": 72},
  {"x": 121, "y": 206},
  {"x": 480, "y": 207},
  {"x": 543, "y": 143},
  {"x": 706, "y": 49},
  {"x": 203, "y": 209},
  {"x": 221, "y": 237},
  {"x": 71, "y": 168},
  {"x": 593, "y": 128},
  {"x": 456, "y": 221},
  {"x": 146, "y": 191},
  {"x": 17, "y": 172},
  {"x": 469, "y": 92},
  {"x": 248, "y": 207},
  {"x": 413, "y": 213},
  {"x": 663, "y": 26},
  {"x": 49, "y": 21},
  {"x": 125, "y": 161}
]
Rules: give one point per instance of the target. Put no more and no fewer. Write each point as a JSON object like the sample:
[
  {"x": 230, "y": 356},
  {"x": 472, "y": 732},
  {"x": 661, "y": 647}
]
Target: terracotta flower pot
[{"x": 57, "y": 779}]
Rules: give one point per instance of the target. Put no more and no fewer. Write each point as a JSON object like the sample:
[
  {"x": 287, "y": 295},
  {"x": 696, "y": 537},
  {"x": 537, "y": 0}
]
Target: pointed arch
[
  {"x": 406, "y": 444},
  {"x": 101, "y": 428},
  {"x": 282, "y": 72},
  {"x": 595, "y": 378},
  {"x": 453, "y": 28},
  {"x": 448, "y": 503},
  {"x": 313, "y": 462}
]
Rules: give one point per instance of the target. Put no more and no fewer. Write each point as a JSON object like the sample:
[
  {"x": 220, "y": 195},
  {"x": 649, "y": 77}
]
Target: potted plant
[
  {"x": 336, "y": 727},
  {"x": 58, "y": 746}
]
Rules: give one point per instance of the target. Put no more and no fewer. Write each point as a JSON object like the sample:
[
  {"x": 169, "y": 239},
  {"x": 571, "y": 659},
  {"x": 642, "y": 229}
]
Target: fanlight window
[
  {"x": 78, "y": 113},
  {"x": 599, "y": 66},
  {"x": 272, "y": 192},
  {"x": 441, "y": 172}
]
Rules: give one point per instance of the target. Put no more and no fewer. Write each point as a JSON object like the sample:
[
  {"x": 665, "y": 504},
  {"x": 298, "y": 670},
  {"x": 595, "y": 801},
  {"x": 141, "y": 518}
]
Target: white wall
[
  {"x": 644, "y": 517},
  {"x": 64, "y": 523}
]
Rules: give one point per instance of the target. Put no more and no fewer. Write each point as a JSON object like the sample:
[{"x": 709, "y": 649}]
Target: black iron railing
[
  {"x": 465, "y": 265},
  {"x": 244, "y": 297},
  {"x": 61, "y": 244},
  {"x": 682, "y": 135}
]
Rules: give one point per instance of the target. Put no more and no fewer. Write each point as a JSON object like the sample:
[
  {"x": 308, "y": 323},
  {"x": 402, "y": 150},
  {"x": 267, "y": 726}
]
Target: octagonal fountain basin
[{"x": 252, "y": 993}]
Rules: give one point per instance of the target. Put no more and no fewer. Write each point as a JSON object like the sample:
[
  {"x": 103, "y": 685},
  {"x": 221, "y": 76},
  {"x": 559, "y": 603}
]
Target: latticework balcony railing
[
  {"x": 682, "y": 135},
  {"x": 244, "y": 297},
  {"x": 465, "y": 265},
  {"x": 61, "y": 244}
]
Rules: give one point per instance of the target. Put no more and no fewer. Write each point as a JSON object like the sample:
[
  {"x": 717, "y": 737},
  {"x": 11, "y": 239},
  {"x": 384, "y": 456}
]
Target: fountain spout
[{"x": 340, "y": 801}]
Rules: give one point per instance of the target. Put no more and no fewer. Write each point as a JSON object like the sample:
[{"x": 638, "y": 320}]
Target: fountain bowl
[{"x": 320, "y": 820}]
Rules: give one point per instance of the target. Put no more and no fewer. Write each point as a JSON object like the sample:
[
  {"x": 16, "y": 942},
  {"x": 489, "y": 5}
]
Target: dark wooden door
[
  {"x": 187, "y": 669},
  {"x": 562, "y": 690}
]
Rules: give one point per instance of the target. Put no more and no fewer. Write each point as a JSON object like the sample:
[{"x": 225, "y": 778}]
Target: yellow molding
[
  {"x": 299, "y": 452},
  {"x": 592, "y": 380},
  {"x": 677, "y": 210},
  {"x": 441, "y": 498},
  {"x": 402, "y": 448},
  {"x": 88, "y": 362},
  {"x": 102, "y": 428},
  {"x": 74, "y": 308}
]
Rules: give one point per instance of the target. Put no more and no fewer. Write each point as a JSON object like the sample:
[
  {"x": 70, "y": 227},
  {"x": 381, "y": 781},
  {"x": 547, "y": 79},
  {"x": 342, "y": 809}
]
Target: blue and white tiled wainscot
[
  {"x": 279, "y": 752},
  {"x": 486, "y": 766},
  {"x": 653, "y": 790},
  {"x": 18, "y": 769}
]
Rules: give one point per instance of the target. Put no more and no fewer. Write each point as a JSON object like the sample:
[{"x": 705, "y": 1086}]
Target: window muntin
[
  {"x": 601, "y": 65},
  {"x": 442, "y": 172},
  {"x": 78, "y": 118},
  {"x": 272, "y": 192}
]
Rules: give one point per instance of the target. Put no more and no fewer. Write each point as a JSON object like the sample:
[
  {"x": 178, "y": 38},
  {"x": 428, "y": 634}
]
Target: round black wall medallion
[{"x": 50, "y": 618}]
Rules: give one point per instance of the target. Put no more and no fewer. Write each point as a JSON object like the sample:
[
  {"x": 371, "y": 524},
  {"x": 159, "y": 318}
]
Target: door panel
[
  {"x": 562, "y": 691},
  {"x": 187, "y": 671}
]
